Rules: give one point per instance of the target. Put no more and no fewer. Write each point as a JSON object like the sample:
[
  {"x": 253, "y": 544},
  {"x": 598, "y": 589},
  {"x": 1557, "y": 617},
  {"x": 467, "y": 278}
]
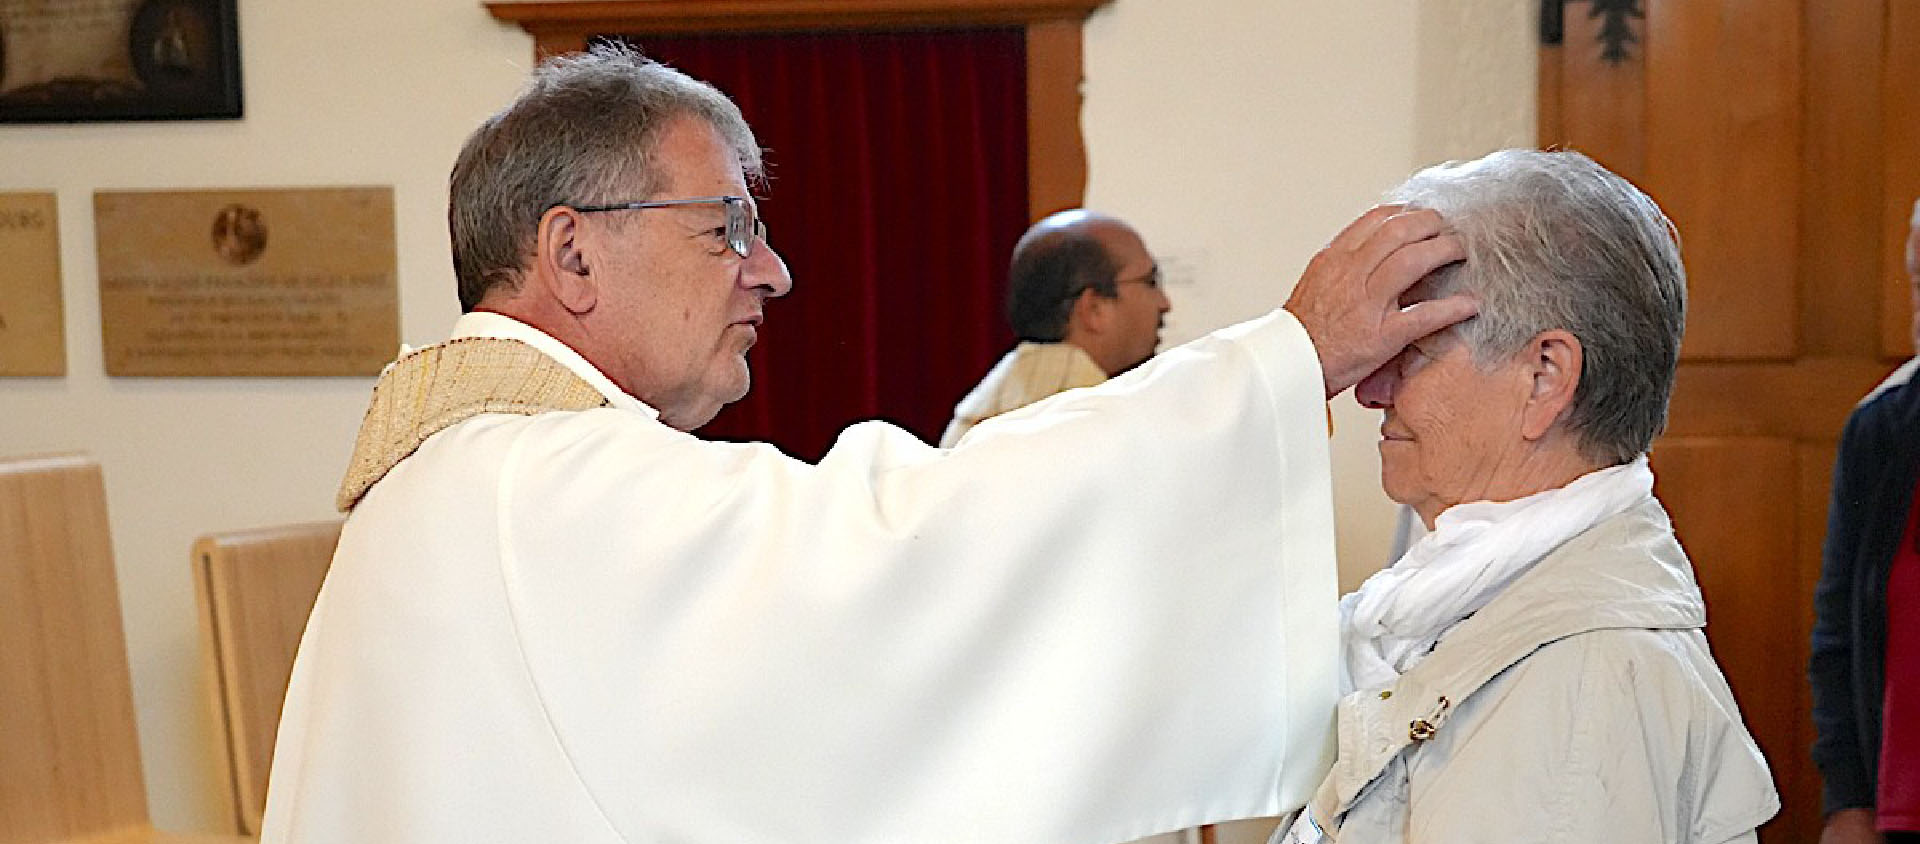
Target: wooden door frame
[{"x": 1056, "y": 154}]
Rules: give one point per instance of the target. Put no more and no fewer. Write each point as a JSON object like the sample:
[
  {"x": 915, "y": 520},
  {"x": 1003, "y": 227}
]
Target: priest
[{"x": 556, "y": 614}]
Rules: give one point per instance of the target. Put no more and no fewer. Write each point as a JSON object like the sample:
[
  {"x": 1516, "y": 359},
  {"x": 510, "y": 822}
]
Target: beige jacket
[{"x": 1581, "y": 705}]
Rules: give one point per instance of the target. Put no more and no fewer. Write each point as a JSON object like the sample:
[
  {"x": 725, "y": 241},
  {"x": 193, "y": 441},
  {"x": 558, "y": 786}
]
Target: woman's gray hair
[
  {"x": 583, "y": 132},
  {"x": 1555, "y": 241}
]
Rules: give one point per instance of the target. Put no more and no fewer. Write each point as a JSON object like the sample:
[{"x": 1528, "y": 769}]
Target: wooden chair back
[
  {"x": 69, "y": 753},
  {"x": 256, "y": 589}
]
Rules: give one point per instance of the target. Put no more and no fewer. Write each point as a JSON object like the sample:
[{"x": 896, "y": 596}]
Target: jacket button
[{"x": 1420, "y": 730}]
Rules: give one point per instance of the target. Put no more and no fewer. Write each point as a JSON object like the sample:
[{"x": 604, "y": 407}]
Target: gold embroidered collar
[{"x": 435, "y": 388}]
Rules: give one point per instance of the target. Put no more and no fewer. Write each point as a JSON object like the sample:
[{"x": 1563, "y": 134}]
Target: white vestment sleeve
[{"x": 1107, "y": 615}]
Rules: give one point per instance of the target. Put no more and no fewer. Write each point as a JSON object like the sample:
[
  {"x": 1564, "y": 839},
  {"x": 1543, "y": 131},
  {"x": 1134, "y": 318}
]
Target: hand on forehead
[
  {"x": 1438, "y": 283},
  {"x": 1429, "y": 287},
  {"x": 1350, "y": 298}
]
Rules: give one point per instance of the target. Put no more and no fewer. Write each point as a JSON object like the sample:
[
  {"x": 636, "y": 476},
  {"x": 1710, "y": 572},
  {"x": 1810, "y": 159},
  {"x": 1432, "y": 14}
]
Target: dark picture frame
[{"x": 85, "y": 60}]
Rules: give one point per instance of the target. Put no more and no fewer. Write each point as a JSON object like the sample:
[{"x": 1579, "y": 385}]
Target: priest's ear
[
  {"x": 1091, "y": 312},
  {"x": 1552, "y": 362},
  {"x": 560, "y": 259}
]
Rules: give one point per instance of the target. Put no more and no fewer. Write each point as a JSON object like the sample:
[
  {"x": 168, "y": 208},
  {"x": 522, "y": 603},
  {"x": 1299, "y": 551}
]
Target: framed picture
[{"x": 85, "y": 60}]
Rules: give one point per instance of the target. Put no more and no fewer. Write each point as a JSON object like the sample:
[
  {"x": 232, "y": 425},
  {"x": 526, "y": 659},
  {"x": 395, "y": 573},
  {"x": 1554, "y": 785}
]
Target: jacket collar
[{"x": 1899, "y": 378}]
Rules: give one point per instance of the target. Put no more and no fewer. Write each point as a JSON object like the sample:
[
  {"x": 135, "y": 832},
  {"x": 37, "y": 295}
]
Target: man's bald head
[{"x": 1065, "y": 284}]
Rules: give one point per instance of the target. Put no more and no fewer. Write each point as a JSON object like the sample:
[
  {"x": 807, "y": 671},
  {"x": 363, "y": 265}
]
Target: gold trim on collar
[{"x": 435, "y": 388}]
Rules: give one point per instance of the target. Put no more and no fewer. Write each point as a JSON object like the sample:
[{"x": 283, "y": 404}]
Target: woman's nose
[{"x": 1376, "y": 390}]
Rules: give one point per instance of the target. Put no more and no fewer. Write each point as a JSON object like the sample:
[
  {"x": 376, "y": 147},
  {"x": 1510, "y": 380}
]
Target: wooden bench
[
  {"x": 69, "y": 753},
  {"x": 256, "y": 589}
]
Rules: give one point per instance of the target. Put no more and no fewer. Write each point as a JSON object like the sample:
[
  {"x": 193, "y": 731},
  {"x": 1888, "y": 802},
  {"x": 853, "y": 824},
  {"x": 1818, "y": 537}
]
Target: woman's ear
[
  {"x": 1554, "y": 359},
  {"x": 560, "y": 254}
]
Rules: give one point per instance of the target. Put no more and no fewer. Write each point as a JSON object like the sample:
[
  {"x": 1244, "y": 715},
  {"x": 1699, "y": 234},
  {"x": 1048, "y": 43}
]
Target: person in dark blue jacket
[{"x": 1865, "y": 668}]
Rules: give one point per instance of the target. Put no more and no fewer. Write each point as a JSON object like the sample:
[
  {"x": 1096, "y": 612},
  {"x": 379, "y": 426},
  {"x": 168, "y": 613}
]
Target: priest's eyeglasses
[
  {"x": 1151, "y": 280},
  {"x": 742, "y": 229}
]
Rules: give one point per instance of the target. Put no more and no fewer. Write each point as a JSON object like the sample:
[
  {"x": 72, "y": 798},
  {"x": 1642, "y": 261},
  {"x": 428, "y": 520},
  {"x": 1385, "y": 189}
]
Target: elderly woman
[{"x": 1535, "y": 668}]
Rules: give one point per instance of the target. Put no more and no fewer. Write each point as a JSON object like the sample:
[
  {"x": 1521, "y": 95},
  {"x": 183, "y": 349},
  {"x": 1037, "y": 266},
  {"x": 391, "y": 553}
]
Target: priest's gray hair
[
  {"x": 1555, "y": 241},
  {"x": 582, "y": 132}
]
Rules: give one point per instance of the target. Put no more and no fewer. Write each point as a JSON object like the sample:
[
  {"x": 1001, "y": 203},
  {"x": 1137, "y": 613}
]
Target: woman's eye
[{"x": 1413, "y": 359}]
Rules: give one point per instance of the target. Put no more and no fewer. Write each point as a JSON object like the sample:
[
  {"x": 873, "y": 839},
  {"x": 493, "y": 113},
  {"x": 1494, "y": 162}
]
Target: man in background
[{"x": 1084, "y": 299}]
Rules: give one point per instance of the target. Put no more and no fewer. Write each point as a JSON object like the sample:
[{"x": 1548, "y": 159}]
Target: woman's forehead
[{"x": 1430, "y": 286}]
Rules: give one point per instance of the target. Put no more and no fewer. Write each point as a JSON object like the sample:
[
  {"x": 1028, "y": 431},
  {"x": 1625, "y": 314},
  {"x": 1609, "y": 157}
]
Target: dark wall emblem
[
  {"x": 239, "y": 235},
  {"x": 1616, "y": 31}
]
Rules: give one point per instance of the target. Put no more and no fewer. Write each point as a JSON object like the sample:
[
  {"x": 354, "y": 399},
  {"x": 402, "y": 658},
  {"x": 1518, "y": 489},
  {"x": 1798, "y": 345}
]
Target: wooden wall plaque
[
  {"x": 297, "y": 281},
  {"x": 33, "y": 338}
]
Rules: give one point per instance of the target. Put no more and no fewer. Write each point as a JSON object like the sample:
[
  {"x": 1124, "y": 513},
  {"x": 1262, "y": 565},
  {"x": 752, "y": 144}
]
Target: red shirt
[{"x": 1898, "y": 807}]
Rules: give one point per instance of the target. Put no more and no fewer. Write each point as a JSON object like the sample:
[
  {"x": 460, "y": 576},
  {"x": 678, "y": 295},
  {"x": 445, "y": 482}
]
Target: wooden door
[{"x": 1783, "y": 138}]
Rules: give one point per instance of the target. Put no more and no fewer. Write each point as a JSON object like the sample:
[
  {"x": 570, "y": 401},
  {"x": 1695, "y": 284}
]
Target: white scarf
[{"x": 1474, "y": 551}]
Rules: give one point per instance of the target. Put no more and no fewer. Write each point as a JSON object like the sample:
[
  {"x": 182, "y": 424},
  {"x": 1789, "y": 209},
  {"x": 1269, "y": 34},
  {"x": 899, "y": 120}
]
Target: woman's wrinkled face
[{"x": 1452, "y": 433}]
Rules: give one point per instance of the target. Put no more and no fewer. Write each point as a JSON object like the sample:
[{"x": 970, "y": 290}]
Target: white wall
[
  {"x": 1237, "y": 134},
  {"x": 1240, "y": 135}
]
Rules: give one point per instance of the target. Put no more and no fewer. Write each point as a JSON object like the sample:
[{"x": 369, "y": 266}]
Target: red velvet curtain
[{"x": 897, "y": 187}]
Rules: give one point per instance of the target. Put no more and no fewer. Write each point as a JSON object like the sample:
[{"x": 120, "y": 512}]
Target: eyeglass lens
[{"x": 743, "y": 227}]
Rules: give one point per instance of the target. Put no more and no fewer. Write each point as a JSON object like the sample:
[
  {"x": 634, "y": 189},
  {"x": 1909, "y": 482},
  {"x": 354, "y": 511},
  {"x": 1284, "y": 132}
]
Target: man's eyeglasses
[
  {"x": 1151, "y": 279},
  {"x": 742, "y": 229}
]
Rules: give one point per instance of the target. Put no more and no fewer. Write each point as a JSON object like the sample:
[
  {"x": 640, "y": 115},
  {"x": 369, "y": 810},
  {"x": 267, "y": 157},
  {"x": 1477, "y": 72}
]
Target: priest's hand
[{"x": 1348, "y": 299}]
